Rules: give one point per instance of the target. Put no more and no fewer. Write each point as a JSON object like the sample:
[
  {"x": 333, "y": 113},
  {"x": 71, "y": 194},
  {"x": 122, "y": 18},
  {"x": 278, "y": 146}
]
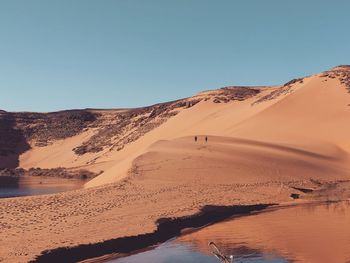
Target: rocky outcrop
[
  {"x": 228, "y": 94},
  {"x": 293, "y": 81},
  {"x": 341, "y": 72},
  {"x": 42, "y": 128},
  {"x": 123, "y": 127}
]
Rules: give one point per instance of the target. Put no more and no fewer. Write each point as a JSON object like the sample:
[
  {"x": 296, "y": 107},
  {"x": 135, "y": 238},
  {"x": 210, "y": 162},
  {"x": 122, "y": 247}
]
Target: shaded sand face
[{"x": 308, "y": 233}]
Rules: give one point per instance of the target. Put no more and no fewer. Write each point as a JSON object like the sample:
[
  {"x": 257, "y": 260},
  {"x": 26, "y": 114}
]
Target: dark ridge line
[{"x": 167, "y": 228}]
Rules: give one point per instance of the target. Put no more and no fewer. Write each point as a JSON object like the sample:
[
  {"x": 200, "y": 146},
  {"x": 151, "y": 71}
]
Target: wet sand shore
[{"x": 167, "y": 228}]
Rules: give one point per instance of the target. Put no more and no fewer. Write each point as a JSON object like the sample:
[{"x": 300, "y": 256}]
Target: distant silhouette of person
[
  {"x": 195, "y": 138},
  {"x": 206, "y": 138}
]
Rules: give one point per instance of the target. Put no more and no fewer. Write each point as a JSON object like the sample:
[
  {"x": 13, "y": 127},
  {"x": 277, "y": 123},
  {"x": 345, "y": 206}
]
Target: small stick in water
[{"x": 218, "y": 254}]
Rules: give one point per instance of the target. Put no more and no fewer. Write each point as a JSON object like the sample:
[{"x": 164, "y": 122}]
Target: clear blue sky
[{"x": 61, "y": 54}]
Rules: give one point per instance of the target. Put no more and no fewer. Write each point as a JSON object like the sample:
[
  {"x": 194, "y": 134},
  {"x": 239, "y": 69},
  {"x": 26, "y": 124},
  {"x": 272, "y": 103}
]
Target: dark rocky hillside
[
  {"x": 118, "y": 129},
  {"x": 18, "y": 129},
  {"x": 46, "y": 127}
]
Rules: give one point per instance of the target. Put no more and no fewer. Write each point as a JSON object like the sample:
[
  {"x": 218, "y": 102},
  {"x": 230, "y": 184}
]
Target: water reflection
[
  {"x": 308, "y": 233},
  {"x": 36, "y": 185},
  {"x": 9, "y": 181},
  {"x": 173, "y": 252}
]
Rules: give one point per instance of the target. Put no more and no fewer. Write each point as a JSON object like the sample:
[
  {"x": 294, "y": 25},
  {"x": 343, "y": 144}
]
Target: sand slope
[
  {"x": 315, "y": 114},
  {"x": 227, "y": 160}
]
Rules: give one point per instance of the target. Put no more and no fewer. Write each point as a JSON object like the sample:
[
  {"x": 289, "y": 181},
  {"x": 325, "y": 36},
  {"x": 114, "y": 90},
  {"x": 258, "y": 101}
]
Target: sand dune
[
  {"x": 204, "y": 118},
  {"x": 311, "y": 116},
  {"x": 237, "y": 160},
  {"x": 262, "y": 143}
]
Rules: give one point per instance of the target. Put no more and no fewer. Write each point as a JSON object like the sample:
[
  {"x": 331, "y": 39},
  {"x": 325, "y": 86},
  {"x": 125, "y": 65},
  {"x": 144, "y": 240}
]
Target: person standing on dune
[
  {"x": 206, "y": 138},
  {"x": 195, "y": 138}
]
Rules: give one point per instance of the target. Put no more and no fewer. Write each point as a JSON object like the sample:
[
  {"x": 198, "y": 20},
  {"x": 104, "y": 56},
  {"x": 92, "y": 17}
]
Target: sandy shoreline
[
  {"x": 34, "y": 224},
  {"x": 173, "y": 179},
  {"x": 167, "y": 228},
  {"x": 38, "y": 223},
  {"x": 227, "y": 213}
]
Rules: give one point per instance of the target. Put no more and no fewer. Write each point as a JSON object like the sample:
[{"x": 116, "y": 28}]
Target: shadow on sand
[{"x": 166, "y": 228}]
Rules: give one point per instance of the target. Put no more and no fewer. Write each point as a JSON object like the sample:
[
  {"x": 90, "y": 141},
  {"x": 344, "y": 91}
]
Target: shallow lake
[
  {"x": 306, "y": 233},
  {"x": 36, "y": 185}
]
